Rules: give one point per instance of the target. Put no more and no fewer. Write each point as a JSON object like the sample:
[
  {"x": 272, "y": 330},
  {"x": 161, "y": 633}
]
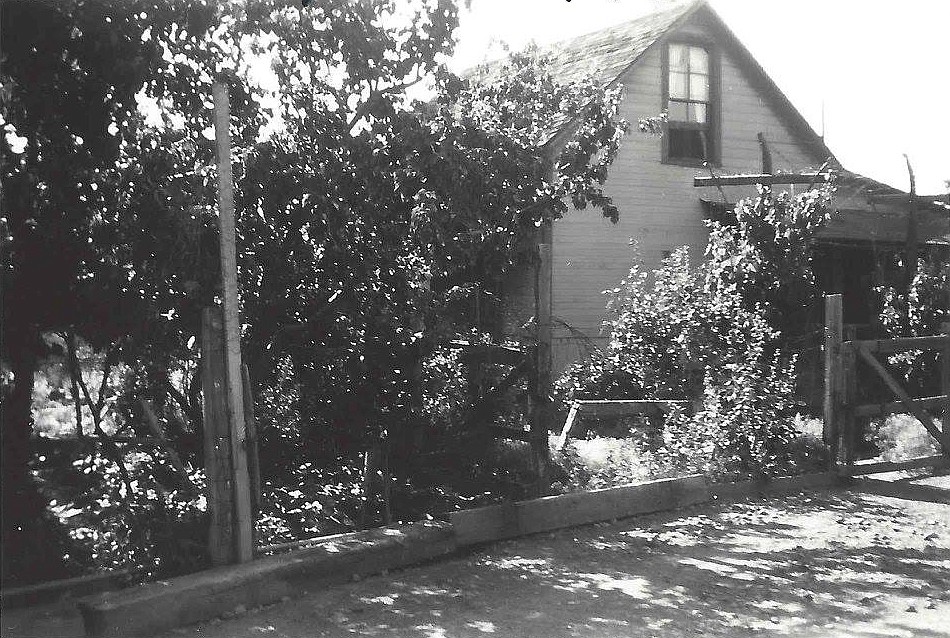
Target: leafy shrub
[{"x": 713, "y": 335}]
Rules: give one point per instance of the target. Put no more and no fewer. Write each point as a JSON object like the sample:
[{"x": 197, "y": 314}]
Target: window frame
[{"x": 713, "y": 123}]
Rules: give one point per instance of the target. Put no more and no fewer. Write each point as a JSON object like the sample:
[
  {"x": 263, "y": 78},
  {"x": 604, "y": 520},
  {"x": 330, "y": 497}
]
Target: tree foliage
[{"x": 368, "y": 226}]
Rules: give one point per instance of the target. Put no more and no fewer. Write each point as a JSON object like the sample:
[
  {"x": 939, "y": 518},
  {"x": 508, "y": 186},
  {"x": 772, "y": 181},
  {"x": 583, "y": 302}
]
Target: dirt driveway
[{"x": 873, "y": 561}]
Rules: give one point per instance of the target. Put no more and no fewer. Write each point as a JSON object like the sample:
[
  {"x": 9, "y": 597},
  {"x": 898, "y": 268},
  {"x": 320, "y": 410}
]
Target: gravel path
[{"x": 873, "y": 561}]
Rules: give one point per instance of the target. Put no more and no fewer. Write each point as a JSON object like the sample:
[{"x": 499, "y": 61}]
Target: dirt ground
[{"x": 873, "y": 561}]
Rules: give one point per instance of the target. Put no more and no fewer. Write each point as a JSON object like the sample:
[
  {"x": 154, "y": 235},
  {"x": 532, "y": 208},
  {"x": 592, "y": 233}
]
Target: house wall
[{"x": 659, "y": 207}]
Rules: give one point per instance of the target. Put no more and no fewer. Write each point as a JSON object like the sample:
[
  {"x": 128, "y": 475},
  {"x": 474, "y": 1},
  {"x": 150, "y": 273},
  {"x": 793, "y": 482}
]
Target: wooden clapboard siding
[{"x": 659, "y": 207}]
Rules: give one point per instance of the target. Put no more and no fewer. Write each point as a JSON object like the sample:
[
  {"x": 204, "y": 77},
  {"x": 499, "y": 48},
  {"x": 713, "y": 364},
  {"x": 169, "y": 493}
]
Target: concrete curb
[{"x": 163, "y": 605}]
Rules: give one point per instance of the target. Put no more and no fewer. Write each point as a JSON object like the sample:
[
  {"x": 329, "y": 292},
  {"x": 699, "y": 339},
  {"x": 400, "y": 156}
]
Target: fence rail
[{"x": 841, "y": 407}]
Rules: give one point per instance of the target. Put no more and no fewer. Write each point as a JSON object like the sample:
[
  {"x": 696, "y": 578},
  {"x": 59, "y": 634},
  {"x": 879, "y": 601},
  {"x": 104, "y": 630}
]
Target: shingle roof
[{"x": 604, "y": 54}]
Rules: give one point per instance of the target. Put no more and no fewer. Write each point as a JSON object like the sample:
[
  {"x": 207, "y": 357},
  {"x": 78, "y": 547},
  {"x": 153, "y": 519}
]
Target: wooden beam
[
  {"x": 903, "y": 198},
  {"x": 945, "y": 381},
  {"x": 761, "y": 178},
  {"x": 566, "y": 430},
  {"x": 893, "y": 407},
  {"x": 834, "y": 328},
  {"x": 244, "y": 525},
  {"x": 544, "y": 409},
  {"x": 861, "y": 468},
  {"x": 623, "y": 407},
  {"x": 217, "y": 447},
  {"x": 899, "y": 344},
  {"x": 489, "y": 352},
  {"x": 612, "y": 408},
  {"x": 904, "y": 398}
]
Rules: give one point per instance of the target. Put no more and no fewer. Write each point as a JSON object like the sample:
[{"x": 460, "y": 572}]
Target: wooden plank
[
  {"x": 217, "y": 445},
  {"x": 544, "y": 409},
  {"x": 489, "y": 352},
  {"x": 243, "y": 523},
  {"x": 253, "y": 459},
  {"x": 509, "y": 520},
  {"x": 568, "y": 424},
  {"x": 862, "y": 468},
  {"x": 900, "y": 344},
  {"x": 945, "y": 383},
  {"x": 761, "y": 178},
  {"x": 833, "y": 382},
  {"x": 849, "y": 392},
  {"x": 896, "y": 407},
  {"x": 623, "y": 407},
  {"x": 904, "y": 398}
]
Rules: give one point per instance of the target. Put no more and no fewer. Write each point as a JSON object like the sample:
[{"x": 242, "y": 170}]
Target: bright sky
[{"x": 880, "y": 67}]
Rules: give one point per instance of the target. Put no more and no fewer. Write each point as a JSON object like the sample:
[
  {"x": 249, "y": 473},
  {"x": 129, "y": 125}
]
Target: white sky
[{"x": 881, "y": 67}]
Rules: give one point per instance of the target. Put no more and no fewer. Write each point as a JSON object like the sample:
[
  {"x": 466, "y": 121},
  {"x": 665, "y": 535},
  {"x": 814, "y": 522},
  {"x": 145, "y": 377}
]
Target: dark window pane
[{"x": 686, "y": 143}]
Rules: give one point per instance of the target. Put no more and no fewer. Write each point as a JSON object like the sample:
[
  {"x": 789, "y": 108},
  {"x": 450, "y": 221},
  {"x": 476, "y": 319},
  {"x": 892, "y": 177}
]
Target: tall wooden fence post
[
  {"x": 945, "y": 385},
  {"x": 217, "y": 439},
  {"x": 832, "y": 400},
  {"x": 848, "y": 430},
  {"x": 243, "y": 523},
  {"x": 543, "y": 413}
]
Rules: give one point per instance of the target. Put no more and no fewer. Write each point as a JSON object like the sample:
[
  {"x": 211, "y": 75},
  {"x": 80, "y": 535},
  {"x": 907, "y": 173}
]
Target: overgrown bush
[{"x": 712, "y": 334}]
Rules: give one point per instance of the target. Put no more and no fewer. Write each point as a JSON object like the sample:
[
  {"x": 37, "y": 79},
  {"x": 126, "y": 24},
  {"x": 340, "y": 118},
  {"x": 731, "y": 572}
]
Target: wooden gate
[{"x": 841, "y": 408}]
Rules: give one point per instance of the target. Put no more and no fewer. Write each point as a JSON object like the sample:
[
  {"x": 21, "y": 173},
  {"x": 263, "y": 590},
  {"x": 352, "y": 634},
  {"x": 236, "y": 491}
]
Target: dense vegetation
[{"x": 372, "y": 231}]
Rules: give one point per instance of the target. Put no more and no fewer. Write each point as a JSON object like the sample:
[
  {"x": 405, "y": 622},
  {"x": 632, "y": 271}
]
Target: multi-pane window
[{"x": 688, "y": 103}]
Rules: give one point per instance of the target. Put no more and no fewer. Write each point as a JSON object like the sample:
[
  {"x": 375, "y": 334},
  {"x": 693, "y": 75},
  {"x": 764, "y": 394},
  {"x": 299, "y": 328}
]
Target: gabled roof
[{"x": 606, "y": 55}]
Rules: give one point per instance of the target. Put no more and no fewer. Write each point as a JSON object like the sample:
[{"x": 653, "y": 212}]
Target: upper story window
[{"x": 690, "y": 136}]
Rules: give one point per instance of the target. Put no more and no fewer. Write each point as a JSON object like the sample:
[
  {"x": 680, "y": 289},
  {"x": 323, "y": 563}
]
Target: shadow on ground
[{"x": 873, "y": 561}]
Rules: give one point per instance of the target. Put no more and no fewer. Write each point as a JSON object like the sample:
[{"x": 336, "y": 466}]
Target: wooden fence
[{"x": 841, "y": 407}]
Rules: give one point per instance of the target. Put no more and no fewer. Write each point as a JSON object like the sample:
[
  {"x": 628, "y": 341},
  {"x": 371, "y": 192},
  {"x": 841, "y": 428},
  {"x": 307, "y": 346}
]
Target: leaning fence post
[{"x": 833, "y": 382}]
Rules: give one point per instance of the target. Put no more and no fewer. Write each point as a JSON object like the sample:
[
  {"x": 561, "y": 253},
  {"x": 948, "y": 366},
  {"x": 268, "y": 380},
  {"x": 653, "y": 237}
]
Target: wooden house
[{"x": 726, "y": 116}]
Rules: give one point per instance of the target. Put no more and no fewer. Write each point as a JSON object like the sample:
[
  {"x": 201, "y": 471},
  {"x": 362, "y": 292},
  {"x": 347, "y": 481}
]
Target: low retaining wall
[
  {"x": 163, "y": 605},
  {"x": 508, "y": 520}
]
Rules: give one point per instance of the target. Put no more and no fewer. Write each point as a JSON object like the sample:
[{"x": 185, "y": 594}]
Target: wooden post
[
  {"x": 849, "y": 426},
  {"x": 542, "y": 417},
  {"x": 945, "y": 386},
  {"x": 243, "y": 525},
  {"x": 253, "y": 460},
  {"x": 833, "y": 335},
  {"x": 217, "y": 443}
]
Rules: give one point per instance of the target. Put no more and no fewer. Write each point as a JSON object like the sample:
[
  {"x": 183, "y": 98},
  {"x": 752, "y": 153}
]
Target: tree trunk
[{"x": 26, "y": 556}]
